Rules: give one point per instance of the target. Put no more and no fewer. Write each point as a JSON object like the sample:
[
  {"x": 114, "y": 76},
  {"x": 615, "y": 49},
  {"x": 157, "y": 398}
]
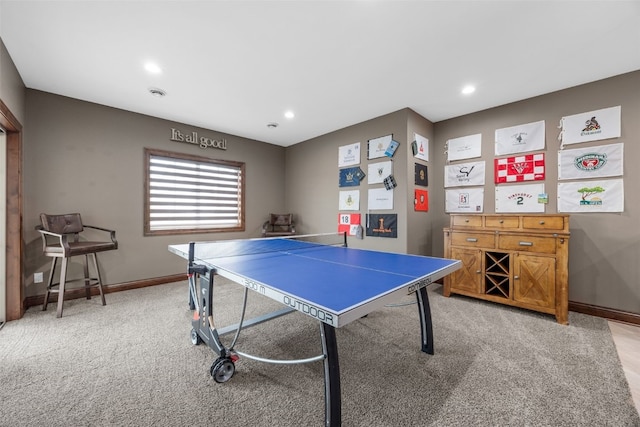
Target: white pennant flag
[
  {"x": 464, "y": 174},
  {"x": 349, "y": 200},
  {"x": 591, "y": 126},
  {"x": 591, "y": 162},
  {"x": 591, "y": 196},
  {"x": 469, "y": 200},
  {"x": 377, "y": 172},
  {"x": 465, "y": 147},
  {"x": 380, "y": 198},
  {"x": 521, "y": 138},
  {"x": 349, "y": 155},
  {"x": 519, "y": 198}
]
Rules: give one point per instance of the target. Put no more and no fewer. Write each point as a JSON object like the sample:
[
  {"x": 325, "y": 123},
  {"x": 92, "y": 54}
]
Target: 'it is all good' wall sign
[{"x": 202, "y": 141}]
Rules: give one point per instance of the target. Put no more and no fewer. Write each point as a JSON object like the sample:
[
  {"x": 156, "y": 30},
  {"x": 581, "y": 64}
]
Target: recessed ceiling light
[
  {"x": 289, "y": 114},
  {"x": 157, "y": 92},
  {"x": 152, "y": 68},
  {"x": 469, "y": 89},
  {"x": 272, "y": 125}
]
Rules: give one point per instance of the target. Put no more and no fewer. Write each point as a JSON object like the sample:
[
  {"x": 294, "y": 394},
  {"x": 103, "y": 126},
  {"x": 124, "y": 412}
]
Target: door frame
[{"x": 15, "y": 306}]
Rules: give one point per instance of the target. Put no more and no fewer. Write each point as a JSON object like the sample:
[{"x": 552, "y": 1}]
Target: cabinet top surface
[
  {"x": 547, "y": 215},
  {"x": 556, "y": 223}
]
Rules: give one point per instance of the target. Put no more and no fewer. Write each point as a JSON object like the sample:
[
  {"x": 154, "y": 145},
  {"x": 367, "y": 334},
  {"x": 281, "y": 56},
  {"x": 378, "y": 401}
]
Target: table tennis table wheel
[
  {"x": 222, "y": 369},
  {"x": 195, "y": 338}
]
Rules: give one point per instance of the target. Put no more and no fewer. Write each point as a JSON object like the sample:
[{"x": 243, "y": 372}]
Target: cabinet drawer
[
  {"x": 474, "y": 240},
  {"x": 466, "y": 221},
  {"x": 543, "y": 222},
  {"x": 526, "y": 243},
  {"x": 502, "y": 222}
]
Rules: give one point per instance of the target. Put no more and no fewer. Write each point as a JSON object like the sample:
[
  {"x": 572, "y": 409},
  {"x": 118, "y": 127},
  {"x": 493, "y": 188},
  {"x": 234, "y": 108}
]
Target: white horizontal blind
[{"x": 185, "y": 194}]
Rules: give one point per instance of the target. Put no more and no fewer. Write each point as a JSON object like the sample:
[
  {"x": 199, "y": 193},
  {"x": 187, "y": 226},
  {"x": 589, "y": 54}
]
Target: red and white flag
[
  {"x": 529, "y": 167},
  {"x": 348, "y": 223}
]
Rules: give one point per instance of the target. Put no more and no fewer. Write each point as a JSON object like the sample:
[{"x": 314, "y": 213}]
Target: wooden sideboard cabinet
[{"x": 513, "y": 259}]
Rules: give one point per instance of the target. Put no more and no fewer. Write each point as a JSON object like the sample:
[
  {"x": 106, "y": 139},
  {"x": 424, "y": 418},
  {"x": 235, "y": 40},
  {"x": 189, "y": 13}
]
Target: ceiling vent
[{"x": 157, "y": 92}]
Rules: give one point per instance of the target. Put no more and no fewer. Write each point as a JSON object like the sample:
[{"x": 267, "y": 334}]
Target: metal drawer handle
[
  {"x": 541, "y": 222},
  {"x": 466, "y": 220},
  {"x": 478, "y": 271},
  {"x": 516, "y": 277},
  {"x": 471, "y": 239},
  {"x": 501, "y": 221},
  {"x": 526, "y": 244}
]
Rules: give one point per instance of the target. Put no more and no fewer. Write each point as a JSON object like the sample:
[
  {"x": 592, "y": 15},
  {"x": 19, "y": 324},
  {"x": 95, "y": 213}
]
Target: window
[{"x": 190, "y": 194}]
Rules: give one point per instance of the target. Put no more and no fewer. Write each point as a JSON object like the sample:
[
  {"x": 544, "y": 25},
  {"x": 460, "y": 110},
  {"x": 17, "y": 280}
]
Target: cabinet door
[
  {"x": 534, "y": 280},
  {"x": 468, "y": 278}
]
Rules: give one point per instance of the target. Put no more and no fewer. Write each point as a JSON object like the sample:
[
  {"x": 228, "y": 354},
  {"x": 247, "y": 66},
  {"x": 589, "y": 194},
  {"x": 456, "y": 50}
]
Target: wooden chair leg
[
  {"x": 95, "y": 264},
  {"x": 63, "y": 278},
  {"x": 49, "y": 283}
]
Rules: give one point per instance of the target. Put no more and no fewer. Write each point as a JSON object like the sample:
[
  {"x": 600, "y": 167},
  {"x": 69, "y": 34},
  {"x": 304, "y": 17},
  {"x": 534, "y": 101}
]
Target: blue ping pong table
[{"x": 311, "y": 274}]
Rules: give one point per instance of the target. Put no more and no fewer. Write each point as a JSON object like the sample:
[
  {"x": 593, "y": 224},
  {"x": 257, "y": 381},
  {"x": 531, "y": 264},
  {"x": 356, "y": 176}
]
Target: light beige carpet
[{"x": 131, "y": 363}]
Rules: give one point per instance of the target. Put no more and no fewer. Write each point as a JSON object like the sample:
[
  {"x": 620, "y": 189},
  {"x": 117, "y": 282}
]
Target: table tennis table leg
[
  {"x": 426, "y": 327},
  {"x": 332, "y": 398}
]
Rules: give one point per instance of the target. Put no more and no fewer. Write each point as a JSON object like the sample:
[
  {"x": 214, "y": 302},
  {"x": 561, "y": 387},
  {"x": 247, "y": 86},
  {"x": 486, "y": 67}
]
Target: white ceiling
[{"x": 235, "y": 66}]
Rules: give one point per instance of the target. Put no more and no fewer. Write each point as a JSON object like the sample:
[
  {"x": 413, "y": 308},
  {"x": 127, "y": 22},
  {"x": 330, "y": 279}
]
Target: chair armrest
[
  {"x": 62, "y": 240},
  {"x": 112, "y": 233},
  {"x": 266, "y": 227}
]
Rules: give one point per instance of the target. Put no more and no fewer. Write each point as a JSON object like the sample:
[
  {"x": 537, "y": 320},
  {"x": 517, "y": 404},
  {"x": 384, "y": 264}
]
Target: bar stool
[{"x": 61, "y": 238}]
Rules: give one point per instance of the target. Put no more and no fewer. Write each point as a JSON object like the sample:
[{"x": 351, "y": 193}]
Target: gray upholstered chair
[
  {"x": 62, "y": 238},
  {"x": 279, "y": 225}
]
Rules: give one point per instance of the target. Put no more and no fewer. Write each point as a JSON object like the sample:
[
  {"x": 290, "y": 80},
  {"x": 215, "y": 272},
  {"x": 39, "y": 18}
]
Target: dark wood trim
[
  {"x": 148, "y": 152},
  {"x": 117, "y": 287},
  {"x": 15, "y": 246},
  {"x": 592, "y": 310},
  {"x": 8, "y": 120},
  {"x": 607, "y": 313}
]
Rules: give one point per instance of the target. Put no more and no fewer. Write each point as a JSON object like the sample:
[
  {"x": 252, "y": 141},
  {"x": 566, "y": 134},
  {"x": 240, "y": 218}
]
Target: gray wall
[
  {"x": 604, "y": 249},
  {"x": 12, "y": 90},
  {"x": 419, "y": 224},
  {"x": 88, "y": 158},
  {"x": 312, "y": 181},
  {"x": 78, "y": 155}
]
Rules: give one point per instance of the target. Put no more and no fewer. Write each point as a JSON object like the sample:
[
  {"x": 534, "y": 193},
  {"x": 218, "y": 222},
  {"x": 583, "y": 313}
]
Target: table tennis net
[{"x": 242, "y": 247}]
